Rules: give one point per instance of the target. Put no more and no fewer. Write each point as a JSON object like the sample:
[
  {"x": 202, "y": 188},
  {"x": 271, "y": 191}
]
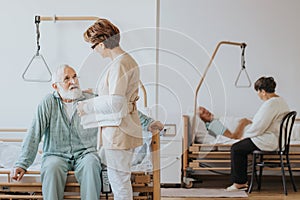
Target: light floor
[{"x": 271, "y": 189}]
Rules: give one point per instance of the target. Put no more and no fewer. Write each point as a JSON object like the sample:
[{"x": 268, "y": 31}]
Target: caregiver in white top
[
  {"x": 264, "y": 130},
  {"x": 114, "y": 110}
]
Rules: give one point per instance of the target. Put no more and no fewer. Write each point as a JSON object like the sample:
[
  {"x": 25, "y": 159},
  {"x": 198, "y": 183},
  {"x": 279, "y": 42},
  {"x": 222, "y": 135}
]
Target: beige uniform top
[{"x": 122, "y": 79}]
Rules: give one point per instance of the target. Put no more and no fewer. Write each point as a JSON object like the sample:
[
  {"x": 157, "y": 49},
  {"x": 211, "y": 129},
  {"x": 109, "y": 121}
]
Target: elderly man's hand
[
  {"x": 18, "y": 173},
  {"x": 156, "y": 125}
]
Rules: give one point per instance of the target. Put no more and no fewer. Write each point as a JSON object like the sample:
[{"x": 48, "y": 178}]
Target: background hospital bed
[
  {"x": 214, "y": 159},
  {"x": 144, "y": 183}
]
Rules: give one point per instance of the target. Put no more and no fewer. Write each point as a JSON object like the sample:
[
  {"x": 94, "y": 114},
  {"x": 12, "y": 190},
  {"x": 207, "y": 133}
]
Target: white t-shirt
[{"x": 70, "y": 109}]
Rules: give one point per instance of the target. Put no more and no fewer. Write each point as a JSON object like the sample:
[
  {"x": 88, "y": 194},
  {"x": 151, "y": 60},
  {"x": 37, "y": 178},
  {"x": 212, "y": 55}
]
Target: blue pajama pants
[{"x": 87, "y": 172}]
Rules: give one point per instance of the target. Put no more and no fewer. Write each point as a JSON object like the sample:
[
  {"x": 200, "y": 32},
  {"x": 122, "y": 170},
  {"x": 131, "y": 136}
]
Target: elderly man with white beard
[{"x": 67, "y": 146}]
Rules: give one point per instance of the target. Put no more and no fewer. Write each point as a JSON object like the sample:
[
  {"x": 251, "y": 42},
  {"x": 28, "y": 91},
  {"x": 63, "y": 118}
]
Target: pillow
[
  {"x": 9, "y": 153},
  {"x": 201, "y": 133}
]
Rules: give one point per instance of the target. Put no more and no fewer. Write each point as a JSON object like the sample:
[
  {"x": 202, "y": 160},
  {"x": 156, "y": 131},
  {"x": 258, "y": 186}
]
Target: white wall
[
  {"x": 190, "y": 31},
  {"x": 271, "y": 30}
]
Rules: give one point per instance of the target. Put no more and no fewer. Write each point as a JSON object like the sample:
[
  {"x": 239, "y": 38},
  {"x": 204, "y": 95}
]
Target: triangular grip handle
[
  {"x": 45, "y": 64},
  {"x": 236, "y": 83}
]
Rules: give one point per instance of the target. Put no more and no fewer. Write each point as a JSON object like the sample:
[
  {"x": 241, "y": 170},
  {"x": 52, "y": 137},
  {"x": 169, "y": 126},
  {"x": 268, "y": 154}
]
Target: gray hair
[{"x": 56, "y": 74}]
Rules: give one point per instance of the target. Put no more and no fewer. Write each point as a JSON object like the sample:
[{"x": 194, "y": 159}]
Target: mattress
[
  {"x": 202, "y": 136},
  {"x": 10, "y": 151}
]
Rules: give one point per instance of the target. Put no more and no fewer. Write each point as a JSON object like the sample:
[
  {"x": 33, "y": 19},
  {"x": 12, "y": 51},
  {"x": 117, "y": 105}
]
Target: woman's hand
[
  {"x": 89, "y": 90},
  {"x": 156, "y": 125},
  {"x": 245, "y": 121},
  {"x": 80, "y": 110}
]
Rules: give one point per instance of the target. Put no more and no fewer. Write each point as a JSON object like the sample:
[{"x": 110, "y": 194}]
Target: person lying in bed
[
  {"x": 215, "y": 127},
  {"x": 67, "y": 146}
]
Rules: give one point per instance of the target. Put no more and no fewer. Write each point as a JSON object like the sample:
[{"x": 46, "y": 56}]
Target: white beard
[{"x": 70, "y": 94}]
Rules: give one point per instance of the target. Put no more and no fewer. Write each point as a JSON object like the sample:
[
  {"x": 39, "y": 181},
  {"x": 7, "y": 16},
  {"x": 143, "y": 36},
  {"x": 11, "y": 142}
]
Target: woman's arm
[{"x": 239, "y": 130}]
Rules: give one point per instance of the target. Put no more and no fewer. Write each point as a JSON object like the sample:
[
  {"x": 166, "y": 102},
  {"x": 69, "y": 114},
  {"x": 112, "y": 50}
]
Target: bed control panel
[{"x": 169, "y": 130}]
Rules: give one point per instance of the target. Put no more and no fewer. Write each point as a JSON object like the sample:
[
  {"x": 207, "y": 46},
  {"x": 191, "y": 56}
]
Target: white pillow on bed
[
  {"x": 9, "y": 153},
  {"x": 201, "y": 133}
]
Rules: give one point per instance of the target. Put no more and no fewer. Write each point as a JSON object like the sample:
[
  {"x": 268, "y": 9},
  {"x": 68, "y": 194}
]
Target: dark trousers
[{"x": 239, "y": 160}]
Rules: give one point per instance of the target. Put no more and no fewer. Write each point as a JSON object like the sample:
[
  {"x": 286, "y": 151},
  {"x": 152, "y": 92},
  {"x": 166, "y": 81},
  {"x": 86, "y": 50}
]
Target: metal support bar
[
  {"x": 144, "y": 93},
  {"x": 242, "y": 45},
  {"x": 75, "y": 18}
]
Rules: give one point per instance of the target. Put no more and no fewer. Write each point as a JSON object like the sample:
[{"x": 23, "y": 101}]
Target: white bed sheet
[
  {"x": 10, "y": 151},
  {"x": 202, "y": 136}
]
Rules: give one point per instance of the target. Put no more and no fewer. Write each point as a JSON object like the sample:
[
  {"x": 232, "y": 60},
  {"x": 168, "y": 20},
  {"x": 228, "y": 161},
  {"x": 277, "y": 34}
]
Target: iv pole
[
  {"x": 37, "y": 55},
  {"x": 243, "y": 46}
]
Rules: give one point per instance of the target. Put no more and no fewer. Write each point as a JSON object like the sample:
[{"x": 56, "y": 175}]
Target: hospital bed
[
  {"x": 146, "y": 184},
  {"x": 205, "y": 154},
  {"x": 145, "y": 173},
  {"x": 211, "y": 156}
]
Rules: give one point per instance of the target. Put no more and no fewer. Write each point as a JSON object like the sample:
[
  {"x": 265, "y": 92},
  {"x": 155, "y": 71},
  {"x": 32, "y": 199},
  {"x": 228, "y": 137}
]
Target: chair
[{"x": 258, "y": 159}]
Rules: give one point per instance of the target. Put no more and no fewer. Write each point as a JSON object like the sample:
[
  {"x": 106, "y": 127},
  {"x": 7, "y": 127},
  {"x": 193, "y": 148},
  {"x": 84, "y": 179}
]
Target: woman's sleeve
[
  {"x": 108, "y": 109},
  {"x": 105, "y": 110},
  {"x": 118, "y": 80},
  {"x": 262, "y": 120},
  {"x": 113, "y": 102}
]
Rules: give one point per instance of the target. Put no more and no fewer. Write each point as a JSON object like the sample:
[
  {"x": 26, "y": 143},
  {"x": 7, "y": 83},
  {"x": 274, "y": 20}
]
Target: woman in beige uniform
[{"x": 115, "y": 108}]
